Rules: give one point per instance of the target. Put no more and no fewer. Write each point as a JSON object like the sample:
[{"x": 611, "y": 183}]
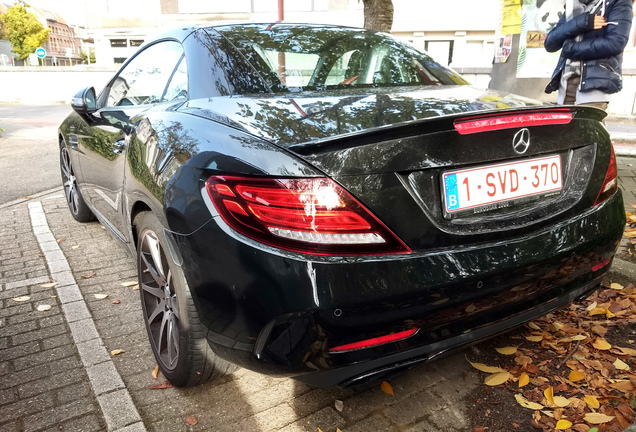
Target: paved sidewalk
[{"x": 57, "y": 371}]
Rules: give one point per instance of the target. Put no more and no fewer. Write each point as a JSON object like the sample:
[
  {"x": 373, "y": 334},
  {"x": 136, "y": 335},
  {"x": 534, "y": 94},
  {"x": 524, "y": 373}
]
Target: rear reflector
[
  {"x": 610, "y": 184},
  {"x": 374, "y": 342},
  {"x": 309, "y": 215},
  {"x": 487, "y": 124},
  {"x": 601, "y": 265}
]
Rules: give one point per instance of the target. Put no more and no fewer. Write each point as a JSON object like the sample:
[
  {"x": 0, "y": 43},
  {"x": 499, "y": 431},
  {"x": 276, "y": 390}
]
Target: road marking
[{"x": 113, "y": 397}]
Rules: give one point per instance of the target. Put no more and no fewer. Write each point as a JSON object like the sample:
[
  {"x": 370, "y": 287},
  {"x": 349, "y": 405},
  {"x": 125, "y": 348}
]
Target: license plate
[{"x": 491, "y": 187}]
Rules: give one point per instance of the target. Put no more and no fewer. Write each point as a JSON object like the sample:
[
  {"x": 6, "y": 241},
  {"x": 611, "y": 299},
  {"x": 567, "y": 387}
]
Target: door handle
[{"x": 119, "y": 146}]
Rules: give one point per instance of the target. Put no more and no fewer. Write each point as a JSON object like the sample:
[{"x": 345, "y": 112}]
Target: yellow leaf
[
  {"x": 598, "y": 311},
  {"x": 576, "y": 376},
  {"x": 621, "y": 365},
  {"x": 524, "y": 379},
  {"x": 49, "y": 285},
  {"x": 609, "y": 314},
  {"x": 578, "y": 337},
  {"x": 591, "y": 401},
  {"x": 484, "y": 368},
  {"x": 22, "y": 299},
  {"x": 75, "y": 247},
  {"x": 44, "y": 307},
  {"x": 100, "y": 296},
  {"x": 563, "y": 425},
  {"x": 338, "y": 430},
  {"x": 592, "y": 306},
  {"x": 549, "y": 394},
  {"x": 535, "y": 338},
  {"x": 597, "y": 418},
  {"x": 555, "y": 327},
  {"x": 116, "y": 352},
  {"x": 628, "y": 351},
  {"x": 497, "y": 378},
  {"x": 561, "y": 401},
  {"x": 601, "y": 344},
  {"x": 470, "y": 308},
  {"x": 616, "y": 286},
  {"x": 527, "y": 404},
  {"x": 129, "y": 284},
  {"x": 155, "y": 372},
  {"x": 533, "y": 326},
  {"x": 507, "y": 350},
  {"x": 386, "y": 388}
]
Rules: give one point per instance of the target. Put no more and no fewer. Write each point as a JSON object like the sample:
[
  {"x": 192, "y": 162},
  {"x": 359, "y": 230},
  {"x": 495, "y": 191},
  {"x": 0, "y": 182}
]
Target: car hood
[{"x": 292, "y": 118}]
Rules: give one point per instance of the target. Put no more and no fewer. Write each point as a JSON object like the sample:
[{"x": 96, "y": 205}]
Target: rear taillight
[
  {"x": 610, "y": 184},
  {"x": 309, "y": 215},
  {"x": 368, "y": 343},
  {"x": 497, "y": 122}
]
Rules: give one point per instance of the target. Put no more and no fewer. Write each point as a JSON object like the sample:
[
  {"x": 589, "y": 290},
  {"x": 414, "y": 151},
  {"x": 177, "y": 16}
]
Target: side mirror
[{"x": 84, "y": 101}]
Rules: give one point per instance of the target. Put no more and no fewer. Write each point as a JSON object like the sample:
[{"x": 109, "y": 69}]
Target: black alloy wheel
[
  {"x": 80, "y": 211},
  {"x": 177, "y": 337}
]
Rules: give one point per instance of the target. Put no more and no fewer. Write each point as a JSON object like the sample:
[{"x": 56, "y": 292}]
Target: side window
[
  {"x": 145, "y": 78},
  {"x": 178, "y": 87}
]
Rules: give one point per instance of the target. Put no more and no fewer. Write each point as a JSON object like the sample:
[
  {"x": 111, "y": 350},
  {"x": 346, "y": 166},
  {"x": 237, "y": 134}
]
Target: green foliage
[
  {"x": 23, "y": 30},
  {"x": 84, "y": 55}
]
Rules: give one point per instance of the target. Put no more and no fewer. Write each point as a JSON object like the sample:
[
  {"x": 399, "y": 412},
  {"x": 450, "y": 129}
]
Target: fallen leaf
[
  {"x": 555, "y": 327},
  {"x": 22, "y": 299},
  {"x": 75, "y": 247},
  {"x": 527, "y": 404},
  {"x": 627, "y": 351},
  {"x": 616, "y": 286},
  {"x": 507, "y": 350},
  {"x": 155, "y": 372},
  {"x": 48, "y": 285},
  {"x": 61, "y": 240},
  {"x": 597, "y": 418},
  {"x": 479, "y": 429},
  {"x": 89, "y": 276},
  {"x": 591, "y": 306},
  {"x": 533, "y": 326},
  {"x": 578, "y": 337},
  {"x": 485, "y": 368},
  {"x": 116, "y": 352},
  {"x": 561, "y": 401},
  {"x": 601, "y": 344},
  {"x": 386, "y": 388},
  {"x": 591, "y": 401},
  {"x": 129, "y": 284},
  {"x": 192, "y": 420},
  {"x": 470, "y": 308},
  {"x": 497, "y": 378},
  {"x": 563, "y": 425},
  {"x": 523, "y": 360},
  {"x": 549, "y": 394},
  {"x": 621, "y": 365},
  {"x": 535, "y": 338},
  {"x": 576, "y": 375},
  {"x": 339, "y": 405},
  {"x": 598, "y": 311},
  {"x": 116, "y": 301},
  {"x": 164, "y": 385},
  {"x": 44, "y": 307},
  {"x": 100, "y": 296},
  {"x": 524, "y": 379}
]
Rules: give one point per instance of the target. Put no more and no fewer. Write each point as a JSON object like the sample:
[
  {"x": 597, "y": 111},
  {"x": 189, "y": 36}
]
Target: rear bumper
[{"x": 279, "y": 313}]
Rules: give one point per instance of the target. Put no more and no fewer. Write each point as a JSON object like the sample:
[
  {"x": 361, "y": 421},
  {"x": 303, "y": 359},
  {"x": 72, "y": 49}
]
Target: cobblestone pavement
[{"x": 58, "y": 374}]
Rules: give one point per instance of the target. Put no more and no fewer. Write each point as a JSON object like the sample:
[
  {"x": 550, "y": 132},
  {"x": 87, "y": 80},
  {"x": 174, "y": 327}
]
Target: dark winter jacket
[{"x": 600, "y": 51}]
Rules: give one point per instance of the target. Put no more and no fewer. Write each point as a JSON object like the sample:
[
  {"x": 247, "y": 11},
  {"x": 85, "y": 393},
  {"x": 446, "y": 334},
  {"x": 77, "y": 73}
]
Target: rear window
[{"x": 297, "y": 58}]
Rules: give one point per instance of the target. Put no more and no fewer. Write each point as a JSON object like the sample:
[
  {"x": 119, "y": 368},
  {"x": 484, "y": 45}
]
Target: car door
[{"x": 138, "y": 87}]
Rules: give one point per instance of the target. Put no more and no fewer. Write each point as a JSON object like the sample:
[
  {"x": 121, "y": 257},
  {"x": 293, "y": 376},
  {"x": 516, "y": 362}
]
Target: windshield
[{"x": 304, "y": 57}]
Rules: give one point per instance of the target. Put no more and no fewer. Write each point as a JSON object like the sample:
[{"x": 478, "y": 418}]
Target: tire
[
  {"x": 177, "y": 337},
  {"x": 76, "y": 204}
]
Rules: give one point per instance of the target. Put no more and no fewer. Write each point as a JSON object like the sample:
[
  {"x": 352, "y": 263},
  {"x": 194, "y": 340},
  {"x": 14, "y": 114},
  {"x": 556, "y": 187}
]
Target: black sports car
[{"x": 331, "y": 204}]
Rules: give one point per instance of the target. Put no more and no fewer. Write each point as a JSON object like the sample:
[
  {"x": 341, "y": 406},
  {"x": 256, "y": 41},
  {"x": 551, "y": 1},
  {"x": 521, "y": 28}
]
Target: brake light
[
  {"x": 309, "y": 215},
  {"x": 368, "y": 343},
  {"x": 487, "y": 124},
  {"x": 610, "y": 184}
]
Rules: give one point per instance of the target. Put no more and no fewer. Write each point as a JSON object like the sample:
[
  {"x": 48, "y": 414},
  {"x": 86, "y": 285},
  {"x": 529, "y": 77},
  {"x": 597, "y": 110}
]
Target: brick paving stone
[
  {"x": 43, "y": 357},
  {"x": 51, "y": 383},
  {"x": 57, "y": 415},
  {"x": 86, "y": 423},
  {"x": 373, "y": 423},
  {"x": 325, "y": 419},
  {"x": 415, "y": 407}
]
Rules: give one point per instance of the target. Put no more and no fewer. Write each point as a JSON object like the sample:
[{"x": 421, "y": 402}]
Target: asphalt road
[{"x": 29, "y": 158}]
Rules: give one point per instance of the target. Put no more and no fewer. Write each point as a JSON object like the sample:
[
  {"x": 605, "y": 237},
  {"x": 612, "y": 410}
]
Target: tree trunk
[{"x": 378, "y": 15}]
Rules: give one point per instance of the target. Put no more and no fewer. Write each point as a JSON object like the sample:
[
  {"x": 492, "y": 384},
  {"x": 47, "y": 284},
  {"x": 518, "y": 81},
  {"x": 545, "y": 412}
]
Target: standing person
[{"x": 591, "y": 36}]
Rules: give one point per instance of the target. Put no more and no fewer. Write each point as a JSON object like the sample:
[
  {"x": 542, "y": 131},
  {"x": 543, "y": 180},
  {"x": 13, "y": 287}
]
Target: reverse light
[
  {"x": 610, "y": 184},
  {"x": 368, "y": 343},
  {"x": 309, "y": 215},
  {"x": 486, "y": 124}
]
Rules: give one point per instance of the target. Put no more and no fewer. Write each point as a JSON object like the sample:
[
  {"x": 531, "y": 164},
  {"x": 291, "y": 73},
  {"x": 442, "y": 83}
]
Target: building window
[
  {"x": 119, "y": 60},
  {"x": 136, "y": 42},
  {"x": 118, "y": 43}
]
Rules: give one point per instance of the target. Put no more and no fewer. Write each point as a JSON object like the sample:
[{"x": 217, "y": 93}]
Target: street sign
[
  {"x": 40, "y": 52},
  {"x": 33, "y": 60}
]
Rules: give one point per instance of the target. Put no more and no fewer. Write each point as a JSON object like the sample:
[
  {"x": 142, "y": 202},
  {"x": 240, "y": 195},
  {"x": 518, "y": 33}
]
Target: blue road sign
[{"x": 40, "y": 52}]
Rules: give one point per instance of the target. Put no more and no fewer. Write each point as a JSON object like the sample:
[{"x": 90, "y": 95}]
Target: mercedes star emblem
[{"x": 521, "y": 141}]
